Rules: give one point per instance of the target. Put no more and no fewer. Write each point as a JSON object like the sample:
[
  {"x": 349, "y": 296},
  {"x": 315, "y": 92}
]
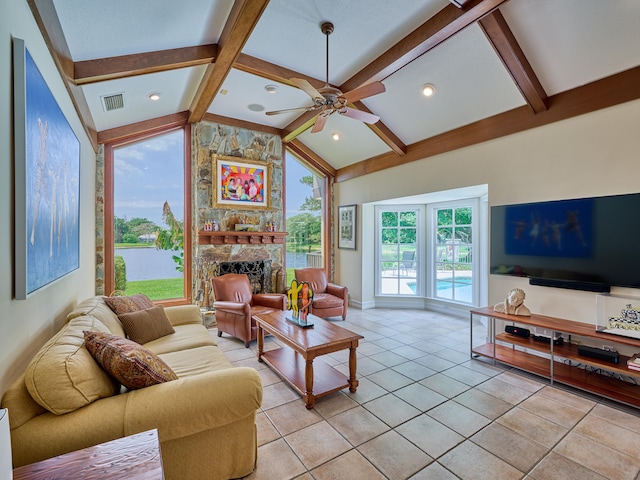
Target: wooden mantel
[{"x": 241, "y": 238}]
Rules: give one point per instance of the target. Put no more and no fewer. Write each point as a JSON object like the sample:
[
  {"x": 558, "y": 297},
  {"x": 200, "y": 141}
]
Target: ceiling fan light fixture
[
  {"x": 428, "y": 90},
  {"x": 271, "y": 89},
  {"x": 330, "y": 100}
]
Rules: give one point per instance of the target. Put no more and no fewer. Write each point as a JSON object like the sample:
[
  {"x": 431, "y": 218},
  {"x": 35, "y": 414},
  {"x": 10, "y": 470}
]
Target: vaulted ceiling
[{"x": 498, "y": 67}]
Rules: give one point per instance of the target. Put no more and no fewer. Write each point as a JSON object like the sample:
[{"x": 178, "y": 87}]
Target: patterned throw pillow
[
  {"x": 146, "y": 325},
  {"x": 121, "y": 305},
  {"x": 128, "y": 362}
]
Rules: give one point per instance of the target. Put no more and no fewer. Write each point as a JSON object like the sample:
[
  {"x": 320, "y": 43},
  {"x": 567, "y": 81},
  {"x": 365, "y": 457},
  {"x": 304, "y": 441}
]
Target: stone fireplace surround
[{"x": 213, "y": 249}]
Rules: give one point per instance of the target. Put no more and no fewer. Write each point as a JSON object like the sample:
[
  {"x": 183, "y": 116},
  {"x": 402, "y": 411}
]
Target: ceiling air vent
[{"x": 112, "y": 102}]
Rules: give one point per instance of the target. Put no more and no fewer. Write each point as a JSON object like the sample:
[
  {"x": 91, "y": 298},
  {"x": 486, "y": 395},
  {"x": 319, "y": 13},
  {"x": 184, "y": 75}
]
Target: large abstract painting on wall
[{"x": 47, "y": 186}]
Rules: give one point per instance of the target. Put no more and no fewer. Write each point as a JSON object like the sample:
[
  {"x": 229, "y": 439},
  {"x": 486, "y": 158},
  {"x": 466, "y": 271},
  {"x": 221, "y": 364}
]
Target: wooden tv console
[{"x": 554, "y": 361}]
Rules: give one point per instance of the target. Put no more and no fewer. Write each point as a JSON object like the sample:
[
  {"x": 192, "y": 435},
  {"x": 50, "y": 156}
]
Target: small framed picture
[{"x": 347, "y": 217}]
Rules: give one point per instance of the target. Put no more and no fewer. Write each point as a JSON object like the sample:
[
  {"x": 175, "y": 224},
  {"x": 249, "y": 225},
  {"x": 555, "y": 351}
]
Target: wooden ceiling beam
[
  {"x": 299, "y": 126},
  {"x": 312, "y": 158},
  {"x": 383, "y": 132},
  {"x": 614, "y": 90},
  {"x": 499, "y": 34},
  {"x": 242, "y": 20},
  {"x": 234, "y": 122},
  {"x": 271, "y": 71},
  {"x": 460, "y": 3},
  {"x": 442, "y": 26},
  {"x": 110, "y": 68},
  {"x": 47, "y": 19},
  {"x": 146, "y": 127}
]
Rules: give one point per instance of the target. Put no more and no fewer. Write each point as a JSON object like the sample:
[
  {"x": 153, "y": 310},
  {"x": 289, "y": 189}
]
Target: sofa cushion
[
  {"x": 133, "y": 303},
  {"x": 128, "y": 362},
  {"x": 185, "y": 337},
  {"x": 146, "y": 325},
  {"x": 196, "y": 361},
  {"x": 63, "y": 376},
  {"x": 96, "y": 307}
]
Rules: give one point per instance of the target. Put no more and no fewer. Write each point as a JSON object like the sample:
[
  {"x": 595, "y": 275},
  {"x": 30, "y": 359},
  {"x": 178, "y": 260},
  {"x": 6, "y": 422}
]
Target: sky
[
  {"x": 296, "y": 191},
  {"x": 150, "y": 172}
]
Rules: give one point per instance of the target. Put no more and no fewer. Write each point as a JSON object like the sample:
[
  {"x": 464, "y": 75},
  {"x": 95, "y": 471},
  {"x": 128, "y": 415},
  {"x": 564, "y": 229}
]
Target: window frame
[
  {"x": 108, "y": 251},
  {"x": 432, "y": 232},
  {"x": 419, "y": 260},
  {"x": 325, "y": 218}
]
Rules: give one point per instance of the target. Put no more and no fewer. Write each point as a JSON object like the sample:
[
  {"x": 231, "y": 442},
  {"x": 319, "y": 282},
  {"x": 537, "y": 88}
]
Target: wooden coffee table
[
  {"x": 296, "y": 365},
  {"x": 129, "y": 458}
]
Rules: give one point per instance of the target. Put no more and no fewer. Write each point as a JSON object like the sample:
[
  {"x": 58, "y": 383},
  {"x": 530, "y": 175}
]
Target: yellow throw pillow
[
  {"x": 146, "y": 325},
  {"x": 128, "y": 362}
]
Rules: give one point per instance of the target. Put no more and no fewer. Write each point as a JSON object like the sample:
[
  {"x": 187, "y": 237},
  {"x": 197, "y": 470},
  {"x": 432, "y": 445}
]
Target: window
[
  {"x": 147, "y": 186},
  {"x": 453, "y": 247},
  {"x": 398, "y": 250},
  {"x": 305, "y": 209}
]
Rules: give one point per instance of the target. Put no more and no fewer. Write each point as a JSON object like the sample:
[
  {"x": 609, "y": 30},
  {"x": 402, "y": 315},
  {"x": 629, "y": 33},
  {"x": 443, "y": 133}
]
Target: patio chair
[{"x": 408, "y": 261}]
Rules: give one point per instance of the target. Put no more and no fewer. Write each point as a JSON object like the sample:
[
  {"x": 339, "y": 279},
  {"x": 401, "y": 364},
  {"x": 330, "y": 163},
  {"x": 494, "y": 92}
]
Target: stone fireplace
[{"x": 226, "y": 250}]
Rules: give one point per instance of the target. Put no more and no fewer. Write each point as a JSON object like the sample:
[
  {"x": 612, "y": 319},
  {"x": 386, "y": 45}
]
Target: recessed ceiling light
[
  {"x": 271, "y": 89},
  {"x": 336, "y": 136},
  {"x": 155, "y": 96},
  {"x": 255, "y": 107},
  {"x": 428, "y": 90}
]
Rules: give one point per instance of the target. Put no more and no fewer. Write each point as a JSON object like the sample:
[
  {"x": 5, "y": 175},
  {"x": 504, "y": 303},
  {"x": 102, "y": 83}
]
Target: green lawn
[
  {"x": 136, "y": 245},
  {"x": 158, "y": 289}
]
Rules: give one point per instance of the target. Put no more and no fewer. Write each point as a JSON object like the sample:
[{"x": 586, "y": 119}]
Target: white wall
[
  {"x": 26, "y": 324},
  {"x": 594, "y": 154}
]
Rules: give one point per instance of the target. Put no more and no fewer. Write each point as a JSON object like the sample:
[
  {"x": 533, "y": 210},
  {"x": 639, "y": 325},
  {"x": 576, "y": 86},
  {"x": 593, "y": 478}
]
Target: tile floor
[{"x": 424, "y": 410}]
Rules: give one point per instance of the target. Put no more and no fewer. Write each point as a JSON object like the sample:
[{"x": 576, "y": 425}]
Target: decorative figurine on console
[
  {"x": 299, "y": 298},
  {"x": 513, "y": 304}
]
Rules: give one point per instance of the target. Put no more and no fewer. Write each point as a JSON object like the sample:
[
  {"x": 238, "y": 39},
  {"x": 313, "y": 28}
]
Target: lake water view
[
  {"x": 148, "y": 263},
  {"x": 151, "y": 264}
]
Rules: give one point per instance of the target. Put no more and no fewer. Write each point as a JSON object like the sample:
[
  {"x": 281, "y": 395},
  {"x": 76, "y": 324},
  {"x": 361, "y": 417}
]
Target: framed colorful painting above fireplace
[{"x": 243, "y": 184}]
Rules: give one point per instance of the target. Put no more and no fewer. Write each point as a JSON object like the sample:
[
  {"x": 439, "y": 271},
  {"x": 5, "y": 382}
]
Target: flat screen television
[{"x": 583, "y": 243}]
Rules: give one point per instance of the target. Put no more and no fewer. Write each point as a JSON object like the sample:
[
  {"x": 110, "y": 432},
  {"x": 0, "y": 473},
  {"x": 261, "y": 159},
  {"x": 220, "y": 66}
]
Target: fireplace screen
[{"x": 258, "y": 271}]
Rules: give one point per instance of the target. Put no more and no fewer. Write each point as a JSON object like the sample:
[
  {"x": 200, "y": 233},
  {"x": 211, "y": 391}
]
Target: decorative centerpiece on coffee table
[{"x": 299, "y": 298}]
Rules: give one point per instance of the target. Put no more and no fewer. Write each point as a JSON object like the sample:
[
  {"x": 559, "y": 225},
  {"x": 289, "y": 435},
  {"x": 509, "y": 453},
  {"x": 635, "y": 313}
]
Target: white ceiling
[{"x": 568, "y": 43}]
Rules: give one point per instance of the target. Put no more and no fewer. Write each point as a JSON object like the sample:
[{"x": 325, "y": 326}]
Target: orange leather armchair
[
  {"x": 235, "y": 304},
  {"x": 329, "y": 300}
]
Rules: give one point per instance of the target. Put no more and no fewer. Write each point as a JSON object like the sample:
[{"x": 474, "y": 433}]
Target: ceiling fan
[{"x": 329, "y": 100}]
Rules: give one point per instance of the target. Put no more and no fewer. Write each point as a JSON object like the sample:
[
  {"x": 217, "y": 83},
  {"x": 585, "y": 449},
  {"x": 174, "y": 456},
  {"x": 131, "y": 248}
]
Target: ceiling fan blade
[
  {"x": 320, "y": 121},
  {"x": 288, "y": 110},
  {"x": 359, "y": 115},
  {"x": 363, "y": 92},
  {"x": 307, "y": 88}
]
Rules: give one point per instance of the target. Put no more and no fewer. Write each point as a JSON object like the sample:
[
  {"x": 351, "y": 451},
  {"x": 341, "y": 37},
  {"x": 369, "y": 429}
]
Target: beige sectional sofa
[{"x": 205, "y": 419}]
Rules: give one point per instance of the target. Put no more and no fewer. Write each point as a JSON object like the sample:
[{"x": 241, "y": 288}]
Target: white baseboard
[{"x": 419, "y": 303}]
